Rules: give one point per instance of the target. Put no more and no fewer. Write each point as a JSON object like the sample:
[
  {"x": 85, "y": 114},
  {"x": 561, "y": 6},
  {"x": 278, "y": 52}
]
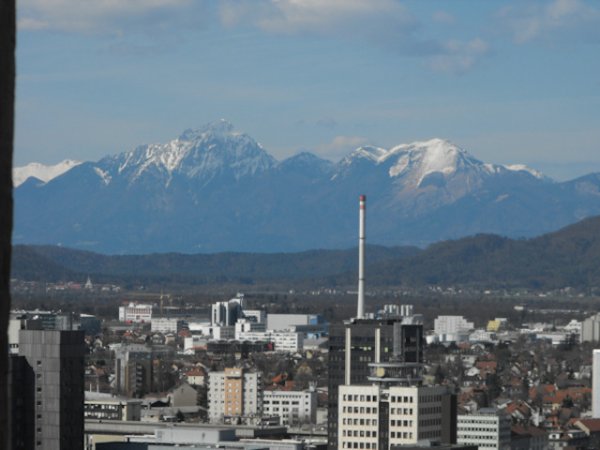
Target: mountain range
[{"x": 215, "y": 189}]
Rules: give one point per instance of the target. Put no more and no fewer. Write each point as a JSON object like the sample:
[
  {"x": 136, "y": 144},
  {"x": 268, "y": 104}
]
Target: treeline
[
  {"x": 568, "y": 257},
  {"x": 52, "y": 263}
]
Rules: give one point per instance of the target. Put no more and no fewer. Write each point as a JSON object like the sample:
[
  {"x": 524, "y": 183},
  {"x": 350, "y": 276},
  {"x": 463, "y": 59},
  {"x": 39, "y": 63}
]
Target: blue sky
[{"x": 509, "y": 81}]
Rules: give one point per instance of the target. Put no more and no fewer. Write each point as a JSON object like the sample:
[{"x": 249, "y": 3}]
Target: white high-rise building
[
  {"x": 487, "y": 428},
  {"x": 596, "y": 384}
]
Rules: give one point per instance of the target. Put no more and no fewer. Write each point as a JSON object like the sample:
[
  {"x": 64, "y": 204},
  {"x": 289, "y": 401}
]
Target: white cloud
[
  {"x": 531, "y": 21},
  {"x": 117, "y": 17},
  {"x": 340, "y": 146}
]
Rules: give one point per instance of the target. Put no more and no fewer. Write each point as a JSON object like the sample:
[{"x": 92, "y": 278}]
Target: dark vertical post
[{"x": 7, "y": 100}]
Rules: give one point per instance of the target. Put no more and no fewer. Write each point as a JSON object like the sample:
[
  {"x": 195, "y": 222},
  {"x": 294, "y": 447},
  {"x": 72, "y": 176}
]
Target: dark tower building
[
  {"x": 397, "y": 336},
  {"x": 21, "y": 411},
  {"x": 51, "y": 370}
]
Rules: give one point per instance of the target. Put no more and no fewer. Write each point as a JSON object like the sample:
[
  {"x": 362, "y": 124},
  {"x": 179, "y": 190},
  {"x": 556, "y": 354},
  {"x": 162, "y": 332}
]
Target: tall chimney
[{"x": 360, "y": 313}]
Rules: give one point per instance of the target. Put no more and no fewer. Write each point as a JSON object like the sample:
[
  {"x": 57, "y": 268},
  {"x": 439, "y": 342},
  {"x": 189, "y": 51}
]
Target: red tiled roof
[{"x": 593, "y": 425}]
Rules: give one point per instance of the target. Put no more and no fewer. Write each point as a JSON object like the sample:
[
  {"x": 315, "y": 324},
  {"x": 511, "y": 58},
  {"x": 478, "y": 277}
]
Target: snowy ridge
[
  {"x": 417, "y": 160},
  {"x": 42, "y": 172},
  {"x": 523, "y": 168},
  {"x": 196, "y": 154}
]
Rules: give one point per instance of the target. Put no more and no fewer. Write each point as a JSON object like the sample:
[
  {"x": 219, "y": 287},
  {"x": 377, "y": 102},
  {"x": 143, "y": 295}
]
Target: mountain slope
[{"x": 568, "y": 257}]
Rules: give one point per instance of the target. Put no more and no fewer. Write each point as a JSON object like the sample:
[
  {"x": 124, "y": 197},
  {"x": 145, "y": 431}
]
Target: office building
[
  {"x": 487, "y": 428},
  {"x": 596, "y": 384},
  {"x": 51, "y": 364},
  {"x": 293, "y": 407},
  {"x": 379, "y": 417},
  {"x": 590, "y": 329},
  {"x": 227, "y": 313},
  {"x": 101, "y": 406},
  {"x": 166, "y": 325},
  {"x": 353, "y": 346},
  {"x": 283, "y": 341},
  {"x": 452, "y": 325},
  {"x": 20, "y": 400},
  {"x": 256, "y": 315},
  {"x": 140, "y": 369},
  {"x": 135, "y": 313}
]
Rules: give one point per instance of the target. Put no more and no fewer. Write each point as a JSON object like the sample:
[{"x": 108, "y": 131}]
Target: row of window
[
  {"x": 359, "y": 398},
  {"x": 283, "y": 402},
  {"x": 430, "y": 422},
  {"x": 401, "y": 435},
  {"x": 359, "y": 433},
  {"x": 404, "y": 411},
  {"x": 359, "y": 421},
  {"x": 493, "y": 434},
  {"x": 401, "y": 423},
  {"x": 359, "y": 410},
  {"x": 365, "y": 445},
  {"x": 430, "y": 434}
]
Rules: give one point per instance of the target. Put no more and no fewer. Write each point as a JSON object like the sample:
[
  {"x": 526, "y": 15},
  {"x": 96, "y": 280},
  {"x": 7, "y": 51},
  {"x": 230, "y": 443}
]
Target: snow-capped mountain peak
[
  {"x": 197, "y": 153},
  {"x": 425, "y": 157},
  {"x": 42, "y": 172}
]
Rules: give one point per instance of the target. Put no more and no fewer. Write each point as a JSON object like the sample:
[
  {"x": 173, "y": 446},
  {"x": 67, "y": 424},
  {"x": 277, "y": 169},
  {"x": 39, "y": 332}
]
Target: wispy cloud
[
  {"x": 542, "y": 20},
  {"x": 316, "y": 16},
  {"x": 460, "y": 56},
  {"x": 116, "y": 17},
  {"x": 340, "y": 146},
  {"x": 387, "y": 24}
]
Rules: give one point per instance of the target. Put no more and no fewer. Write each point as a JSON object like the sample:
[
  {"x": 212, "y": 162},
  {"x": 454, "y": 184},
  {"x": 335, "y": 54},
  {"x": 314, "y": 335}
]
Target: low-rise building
[
  {"x": 293, "y": 407},
  {"x": 166, "y": 325},
  {"x": 283, "y": 341},
  {"x": 108, "y": 407},
  {"x": 135, "y": 312}
]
